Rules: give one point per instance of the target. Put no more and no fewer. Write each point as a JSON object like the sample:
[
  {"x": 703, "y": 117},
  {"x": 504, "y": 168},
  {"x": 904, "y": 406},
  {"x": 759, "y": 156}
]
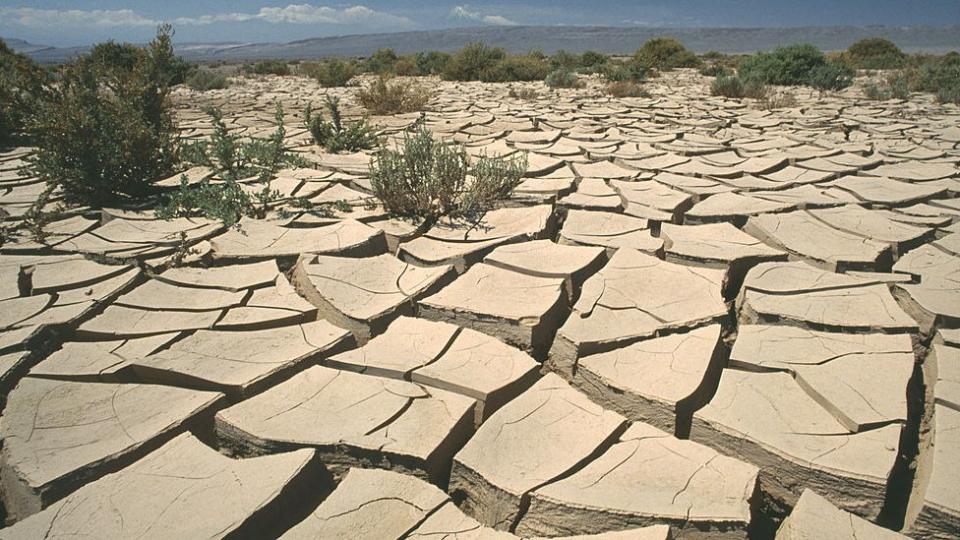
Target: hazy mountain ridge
[{"x": 549, "y": 39}]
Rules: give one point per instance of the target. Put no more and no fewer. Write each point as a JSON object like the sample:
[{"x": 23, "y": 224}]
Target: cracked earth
[{"x": 695, "y": 318}]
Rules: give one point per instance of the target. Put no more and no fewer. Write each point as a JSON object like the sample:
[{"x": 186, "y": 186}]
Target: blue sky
[{"x": 78, "y": 22}]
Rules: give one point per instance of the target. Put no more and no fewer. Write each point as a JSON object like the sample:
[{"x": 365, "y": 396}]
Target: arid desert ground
[{"x": 696, "y": 318}]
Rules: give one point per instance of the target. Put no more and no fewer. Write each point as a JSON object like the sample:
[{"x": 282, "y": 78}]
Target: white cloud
[
  {"x": 464, "y": 12},
  {"x": 291, "y": 14},
  {"x": 53, "y": 18}
]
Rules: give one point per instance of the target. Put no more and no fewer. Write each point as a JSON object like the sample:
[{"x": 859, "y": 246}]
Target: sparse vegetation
[
  {"x": 232, "y": 160},
  {"x": 333, "y": 135},
  {"x": 329, "y": 73},
  {"x": 665, "y": 53},
  {"x": 727, "y": 86},
  {"x": 431, "y": 63},
  {"x": 523, "y": 93},
  {"x": 796, "y": 65},
  {"x": 874, "y": 53},
  {"x": 625, "y": 89},
  {"x": 269, "y": 67},
  {"x": 563, "y": 79},
  {"x": 529, "y": 67},
  {"x": 623, "y": 71},
  {"x": 207, "y": 79},
  {"x": 471, "y": 61},
  {"x": 937, "y": 75},
  {"x": 895, "y": 86},
  {"x": 21, "y": 84},
  {"x": 429, "y": 179},
  {"x": 103, "y": 135},
  {"x": 714, "y": 70},
  {"x": 381, "y": 62},
  {"x": 384, "y": 96}
]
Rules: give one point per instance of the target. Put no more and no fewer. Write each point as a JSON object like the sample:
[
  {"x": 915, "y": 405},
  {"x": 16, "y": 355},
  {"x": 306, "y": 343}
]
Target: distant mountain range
[{"x": 614, "y": 40}]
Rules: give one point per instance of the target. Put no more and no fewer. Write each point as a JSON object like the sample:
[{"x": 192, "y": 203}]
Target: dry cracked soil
[{"x": 695, "y": 318}]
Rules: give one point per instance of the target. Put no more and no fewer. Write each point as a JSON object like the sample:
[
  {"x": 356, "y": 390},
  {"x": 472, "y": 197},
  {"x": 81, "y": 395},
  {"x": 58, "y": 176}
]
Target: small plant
[
  {"x": 665, "y": 53},
  {"x": 714, "y": 70},
  {"x": 385, "y": 97},
  {"x": 429, "y": 179},
  {"x": 777, "y": 100},
  {"x": 896, "y": 86},
  {"x": 270, "y": 67},
  {"x": 206, "y": 79},
  {"x": 333, "y": 135},
  {"x": 624, "y": 89},
  {"x": 330, "y": 73},
  {"x": 727, "y": 86},
  {"x": 754, "y": 89},
  {"x": 523, "y": 93},
  {"x": 469, "y": 62},
  {"x": 563, "y": 79}
]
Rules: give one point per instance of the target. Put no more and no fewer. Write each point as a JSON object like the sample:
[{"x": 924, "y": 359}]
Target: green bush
[
  {"x": 232, "y": 160},
  {"x": 714, "y": 70},
  {"x": 789, "y": 66},
  {"x": 624, "y": 89},
  {"x": 469, "y": 62},
  {"x": 429, "y": 179},
  {"x": 592, "y": 61},
  {"x": 516, "y": 69},
  {"x": 564, "y": 60},
  {"x": 831, "y": 76},
  {"x": 431, "y": 63},
  {"x": 727, "y": 86},
  {"x": 334, "y": 136},
  {"x": 665, "y": 53},
  {"x": 875, "y": 53},
  {"x": 563, "y": 79},
  {"x": 384, "y": 97},
  {"x": 381, "y": 62},
  {"x": 21, "y": 84},
  {"x": 207, "y": 79},
  {"x": 405, "y": 67},
  {"x": 122, "y": 57},
  {"x": 329, "y": 73},
  {"x": 103, "y": 135},
  {"x": 270, "y": 67},
  {"x": 627, "y": 71},
  {"x": 937, "y": 75}
]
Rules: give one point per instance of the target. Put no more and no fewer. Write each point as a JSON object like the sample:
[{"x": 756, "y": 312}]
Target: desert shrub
[
  {"x": 469, "y": 62},
  {"x": 592, "y": 61},
  {"x": 270, "y": 67},
  {"x": 830, "y": 76},
  {"x": 122, "y": 57},
  {"x": 785, "y": 65},
  {"x": 516, "y": 68},
  {"x": 665, "y": 53},
  {"x": 334, "y": 135},
  {"x": 727, "y": 86},
  {"x": 874, "y": 53},
  {"x": 207, "y": 79},
  {"x": 624, "y": 89},
  {"x": 523, "y": 93},
  {"x": 895, "y": 86},
  {"x": 381, "y": 62},
  {"x": 431, "y": 63},
  {"x": 937, "y": 75},
  {"x": 232, "y": 160},
  {"x": 103, "y": 135},
  {"x": 626, "y": 71},
  {"x": 564, "y": 60},
  {"x": 428, "y": 179},
  {"x": 777, "y": 100},
  {"x": 405, "y": 67},
  {"x": 384, "y": 96},
  {"x": 714, "y": 70},
  {"x": 563, "y": 79},
  {"x": 329, "y": 73},
  {"x": 754, "y": 89},
  {"x": 21, "y": 83}
]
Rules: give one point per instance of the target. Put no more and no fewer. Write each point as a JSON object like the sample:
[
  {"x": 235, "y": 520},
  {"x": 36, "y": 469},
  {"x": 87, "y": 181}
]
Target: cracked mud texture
[{"x": 693, "y": 314}]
